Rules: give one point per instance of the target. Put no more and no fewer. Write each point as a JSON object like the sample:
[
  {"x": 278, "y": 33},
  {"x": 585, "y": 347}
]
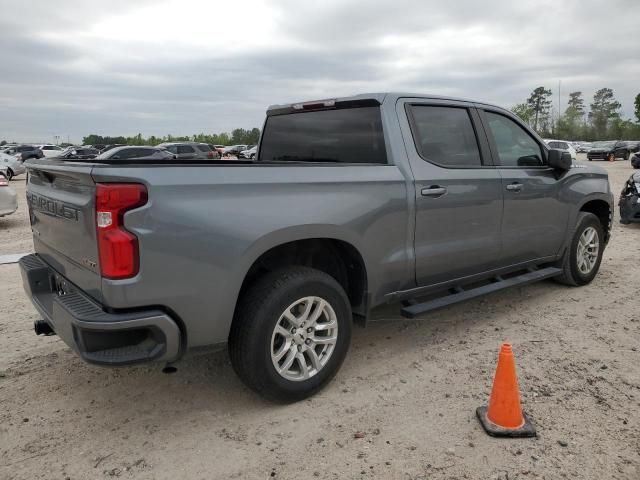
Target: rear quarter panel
[{"x": 204, "y": 226}]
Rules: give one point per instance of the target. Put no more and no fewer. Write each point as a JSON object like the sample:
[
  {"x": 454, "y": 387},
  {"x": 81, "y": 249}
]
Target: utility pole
[{"x": 559, "y": 86}]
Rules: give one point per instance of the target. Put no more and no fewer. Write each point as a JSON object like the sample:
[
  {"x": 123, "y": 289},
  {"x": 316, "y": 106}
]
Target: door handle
[
  {"x": 433, "y": 191},
  {"x": 514, "y": 187}
]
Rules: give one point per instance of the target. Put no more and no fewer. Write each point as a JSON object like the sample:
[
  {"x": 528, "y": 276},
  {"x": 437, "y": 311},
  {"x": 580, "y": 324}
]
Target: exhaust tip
[{"x": 43, "y": 328}]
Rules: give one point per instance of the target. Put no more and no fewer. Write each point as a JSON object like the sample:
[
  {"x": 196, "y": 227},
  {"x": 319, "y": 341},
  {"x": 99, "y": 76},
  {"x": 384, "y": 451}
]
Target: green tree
[
  {"x": 540, "y": 104},
  {"x": 570, "y": 125},
  {"x": 604, "y": 110},
  {"x": 575, "y": 106},
  {"x": 637, "y": 109},
  {"x": 524, "y": 111}
]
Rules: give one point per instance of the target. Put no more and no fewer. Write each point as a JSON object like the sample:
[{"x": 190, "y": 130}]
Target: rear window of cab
[{"x": 347, "y": 135}]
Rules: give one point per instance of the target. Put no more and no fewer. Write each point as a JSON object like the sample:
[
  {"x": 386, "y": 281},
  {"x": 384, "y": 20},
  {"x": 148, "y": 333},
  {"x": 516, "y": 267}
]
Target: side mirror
[{"x": 560, "y": 160}]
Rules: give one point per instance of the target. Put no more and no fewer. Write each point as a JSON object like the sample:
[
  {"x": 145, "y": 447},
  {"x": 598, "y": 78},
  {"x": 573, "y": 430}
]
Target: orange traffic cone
[{"x": 504, "y": 417}]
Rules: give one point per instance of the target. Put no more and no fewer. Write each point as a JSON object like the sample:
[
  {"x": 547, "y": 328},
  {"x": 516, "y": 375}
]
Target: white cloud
[{"x": 155, "y": 67}]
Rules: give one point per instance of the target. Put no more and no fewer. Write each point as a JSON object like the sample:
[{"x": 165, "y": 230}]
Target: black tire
[
  {"x": 9, "y": 174},
  {"x": 571, "y": 275},
  {"x": 259, "y": 310},
  {"x": 626, "y": 155}
]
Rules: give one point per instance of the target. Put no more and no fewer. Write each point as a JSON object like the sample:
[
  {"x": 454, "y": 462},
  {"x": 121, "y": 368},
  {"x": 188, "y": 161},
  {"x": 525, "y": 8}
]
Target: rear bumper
[
  {"x": 630, "y": 209},
  {"x": 98, "y": 336}
]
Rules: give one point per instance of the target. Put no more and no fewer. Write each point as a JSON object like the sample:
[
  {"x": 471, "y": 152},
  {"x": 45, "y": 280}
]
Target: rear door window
[
  {"x": 444, "y": 135},
  {"x": 348, "y": 135},
  {"x": 204, "y": 148}
]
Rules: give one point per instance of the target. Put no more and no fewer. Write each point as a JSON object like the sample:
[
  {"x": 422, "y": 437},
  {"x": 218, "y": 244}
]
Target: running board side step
[{"x": 459, "y": 295}]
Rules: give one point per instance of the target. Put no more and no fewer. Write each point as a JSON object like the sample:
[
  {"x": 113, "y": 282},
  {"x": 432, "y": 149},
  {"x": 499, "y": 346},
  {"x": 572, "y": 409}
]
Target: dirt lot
[{"x": 402, "y": 407}]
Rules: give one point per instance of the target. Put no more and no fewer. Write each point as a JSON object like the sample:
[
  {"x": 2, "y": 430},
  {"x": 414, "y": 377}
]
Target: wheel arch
[
  {"x": 602, "y": 209},
  {"x": 334, "y": 254}
]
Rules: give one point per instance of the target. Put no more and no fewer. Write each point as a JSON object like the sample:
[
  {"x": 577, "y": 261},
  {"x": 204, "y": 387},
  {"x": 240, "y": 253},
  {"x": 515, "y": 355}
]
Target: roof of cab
[{"x": 382, "y": 97}]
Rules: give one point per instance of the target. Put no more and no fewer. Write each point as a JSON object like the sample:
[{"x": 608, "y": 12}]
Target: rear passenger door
[
  {"x": 534, "y": 221},
  {"x": 458, "y": 192}
]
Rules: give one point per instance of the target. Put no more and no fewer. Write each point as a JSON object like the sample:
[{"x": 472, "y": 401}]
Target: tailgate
[{"x": 61, "y": 198}]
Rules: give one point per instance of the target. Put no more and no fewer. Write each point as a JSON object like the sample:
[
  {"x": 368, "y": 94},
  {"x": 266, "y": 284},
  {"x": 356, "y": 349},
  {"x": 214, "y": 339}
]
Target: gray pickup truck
[{"x": 351, "y": 203}]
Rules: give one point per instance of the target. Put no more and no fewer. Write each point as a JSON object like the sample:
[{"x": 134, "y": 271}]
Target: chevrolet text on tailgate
[{"x": 349, "y": 204}]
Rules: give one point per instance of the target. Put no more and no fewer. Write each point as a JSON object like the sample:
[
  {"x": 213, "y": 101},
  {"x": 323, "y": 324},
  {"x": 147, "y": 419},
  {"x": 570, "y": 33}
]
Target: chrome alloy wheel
[
  {"x": 588, "y": 247},
  {"x": 304, "y": 338}
]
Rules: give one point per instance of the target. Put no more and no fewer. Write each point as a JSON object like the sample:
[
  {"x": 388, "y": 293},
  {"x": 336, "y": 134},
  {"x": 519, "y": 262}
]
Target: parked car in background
[
  {"x": 610, "y": 150},
  {"x": 249, "y": 153},
  {"x": 191, "y": 150},
  {"x": 562, "y": 145},
  {"x": 633, "y": 146},
  {"x": 218, "y": 148},
  {"x": 98, "y": 146},
  {"x": 235, "y": 149},
  {"x": 583, "y": 147},
  {"x": 25, "y": 152},
  {"x": 77, "y": 153},
  {"x": 629, "y": 202},
  {"x": 106, "y": 148},
  {"x": 136, "y": 152},
  {"x": 8, "y": 197},
  {"x": 50, "y": 150},
  {"x": 635, "y": 160},
  {"x": 12, "y": 165}
]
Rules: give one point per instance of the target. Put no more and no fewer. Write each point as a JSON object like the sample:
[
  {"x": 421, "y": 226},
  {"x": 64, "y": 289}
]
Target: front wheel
[
  {"x": 9, "y": 174},
  {"x": 626, "y": 155},
  {"x": 611, "y": 157},
  {"x": 581, "y": 261},
  {"x": 290, "y": 333}
]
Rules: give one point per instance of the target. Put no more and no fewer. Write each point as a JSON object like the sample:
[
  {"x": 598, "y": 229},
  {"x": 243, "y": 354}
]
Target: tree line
[
  {"x": 603, "y": 120},
  {"x": 238, "y": 136}
]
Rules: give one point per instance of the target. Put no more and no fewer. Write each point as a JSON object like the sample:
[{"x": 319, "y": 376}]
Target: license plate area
[{"x": 59, "y": 285}]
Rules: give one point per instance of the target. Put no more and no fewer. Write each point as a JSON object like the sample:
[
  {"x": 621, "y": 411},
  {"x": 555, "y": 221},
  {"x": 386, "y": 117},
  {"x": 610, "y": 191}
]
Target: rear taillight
[{"x": 117, "y": 247}]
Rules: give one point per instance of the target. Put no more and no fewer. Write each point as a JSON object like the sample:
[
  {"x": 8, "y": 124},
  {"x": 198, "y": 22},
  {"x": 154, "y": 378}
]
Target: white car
[
  {"x": 12, "y": 165},
  {"x": 8, "y": 197},
  {"x": 562, "y": 145},
  {"x": 51, "y": 150},
  {"x": 250, "y": 153}
]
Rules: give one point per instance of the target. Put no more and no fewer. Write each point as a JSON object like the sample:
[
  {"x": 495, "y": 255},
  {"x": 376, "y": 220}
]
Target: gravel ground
[{"x": 402, "y": 407}]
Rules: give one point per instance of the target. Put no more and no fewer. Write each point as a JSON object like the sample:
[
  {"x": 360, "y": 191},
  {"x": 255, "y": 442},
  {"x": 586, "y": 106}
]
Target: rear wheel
[
  {"x": 581, "y": 261},
  {"x": 626, "y": 155},
  {"x": 611, "y": 157},
  {"x": 291, "y": 333},
  {"x": 9, "y": 174}
]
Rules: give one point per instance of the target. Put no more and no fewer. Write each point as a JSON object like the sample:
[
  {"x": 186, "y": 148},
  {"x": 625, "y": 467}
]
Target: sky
[{"x": 122, "y": 67}]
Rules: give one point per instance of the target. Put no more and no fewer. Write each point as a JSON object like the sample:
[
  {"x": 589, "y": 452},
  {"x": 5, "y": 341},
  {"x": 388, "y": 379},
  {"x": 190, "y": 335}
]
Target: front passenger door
[{"x": 534, "y": 220}]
